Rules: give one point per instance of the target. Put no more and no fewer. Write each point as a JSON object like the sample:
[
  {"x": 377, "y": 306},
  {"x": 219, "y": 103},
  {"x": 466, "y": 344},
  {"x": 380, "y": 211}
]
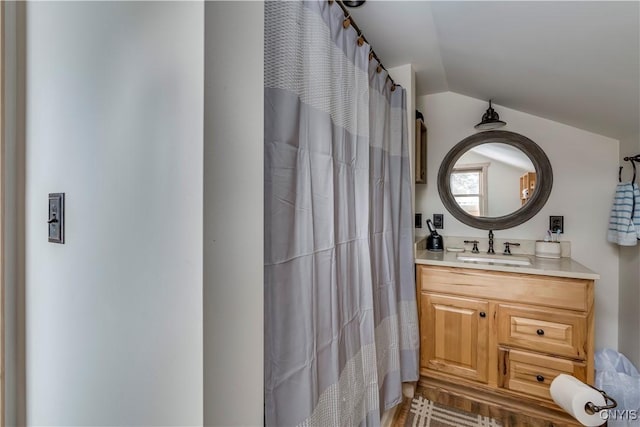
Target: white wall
[
  {"x": 405, "y": 76},
  {"x": 585, "y": 173},
  {"x": 233, "y": 213},
  {"x": 629, "y": 340},
  {"x": 115, "y": 120}
]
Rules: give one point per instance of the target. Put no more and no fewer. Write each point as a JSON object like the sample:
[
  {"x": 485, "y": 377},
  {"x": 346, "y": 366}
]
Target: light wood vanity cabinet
[{"x": 507, "y": 335}]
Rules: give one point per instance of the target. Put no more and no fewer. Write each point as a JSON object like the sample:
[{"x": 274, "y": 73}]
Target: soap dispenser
[{"x": 434, "y": 240}]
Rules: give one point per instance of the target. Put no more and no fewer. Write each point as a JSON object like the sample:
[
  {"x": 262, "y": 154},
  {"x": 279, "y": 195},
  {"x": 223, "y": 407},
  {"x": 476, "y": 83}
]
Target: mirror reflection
[{"x": 492, "y": 179}]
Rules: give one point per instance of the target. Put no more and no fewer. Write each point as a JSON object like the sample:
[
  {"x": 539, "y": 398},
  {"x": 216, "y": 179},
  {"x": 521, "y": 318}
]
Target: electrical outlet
[
  {"x": 556, "y": 222},
  {"x": 418, "y": 220},
  {"x": 438, "y": 221}
]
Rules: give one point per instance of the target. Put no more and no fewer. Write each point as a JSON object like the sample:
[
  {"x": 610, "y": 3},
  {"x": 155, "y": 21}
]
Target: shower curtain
[{"x": 341, "y": 329}]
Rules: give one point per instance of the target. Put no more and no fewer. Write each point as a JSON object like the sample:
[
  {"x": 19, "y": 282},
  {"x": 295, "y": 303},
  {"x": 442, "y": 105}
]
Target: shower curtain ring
[{"x": 346, "y": 22}]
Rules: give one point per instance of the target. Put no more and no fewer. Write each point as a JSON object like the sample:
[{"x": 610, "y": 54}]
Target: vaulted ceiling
[{"x": 574, "y": 62}]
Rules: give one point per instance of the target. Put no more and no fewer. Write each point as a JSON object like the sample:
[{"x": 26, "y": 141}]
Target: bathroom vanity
[{"x": 498, "y": 334}]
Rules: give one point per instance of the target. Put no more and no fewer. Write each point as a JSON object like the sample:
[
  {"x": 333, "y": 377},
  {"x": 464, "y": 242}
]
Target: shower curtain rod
[
  {"x": 635, "y": 158},
  {"x": 349, "y": 21}
]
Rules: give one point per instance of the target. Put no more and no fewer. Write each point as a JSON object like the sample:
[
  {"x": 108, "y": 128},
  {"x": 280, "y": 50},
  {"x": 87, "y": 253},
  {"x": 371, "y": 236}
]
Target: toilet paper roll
[{"x": 572, "y": 395}]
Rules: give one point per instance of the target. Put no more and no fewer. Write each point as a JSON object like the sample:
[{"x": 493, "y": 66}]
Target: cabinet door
[{"x": 455, "y": 333}]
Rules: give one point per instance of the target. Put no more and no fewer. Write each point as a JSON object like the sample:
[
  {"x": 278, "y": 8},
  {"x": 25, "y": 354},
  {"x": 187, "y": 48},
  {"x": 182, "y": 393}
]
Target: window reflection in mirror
[
  {"x": 468, "y": 186},
  {"x": 487, "y": 180}
]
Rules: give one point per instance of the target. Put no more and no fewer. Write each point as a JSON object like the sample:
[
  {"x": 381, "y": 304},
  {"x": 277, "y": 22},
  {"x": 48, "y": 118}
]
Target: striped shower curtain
[{"x": 341, "y": 330}]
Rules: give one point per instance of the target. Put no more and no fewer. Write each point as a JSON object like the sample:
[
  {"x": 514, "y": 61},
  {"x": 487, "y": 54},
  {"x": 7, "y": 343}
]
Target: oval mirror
[{"x": 495, "y": 180}]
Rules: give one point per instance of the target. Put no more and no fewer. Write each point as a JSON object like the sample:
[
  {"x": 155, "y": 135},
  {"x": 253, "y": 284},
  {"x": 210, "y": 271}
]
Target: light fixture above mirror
[{"x": 490, "y": 120}]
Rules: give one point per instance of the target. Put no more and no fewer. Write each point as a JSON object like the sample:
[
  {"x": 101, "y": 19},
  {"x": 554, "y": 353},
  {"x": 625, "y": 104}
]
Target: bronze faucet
[{"x": 491, "y": 251}]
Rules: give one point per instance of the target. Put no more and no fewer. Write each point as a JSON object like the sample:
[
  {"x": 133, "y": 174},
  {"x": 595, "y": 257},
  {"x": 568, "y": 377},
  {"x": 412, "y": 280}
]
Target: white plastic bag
[{"x": 617, "y": 376}]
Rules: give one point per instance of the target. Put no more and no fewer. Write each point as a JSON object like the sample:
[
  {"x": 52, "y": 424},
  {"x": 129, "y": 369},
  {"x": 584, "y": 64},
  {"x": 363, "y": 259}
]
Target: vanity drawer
[
  {"x": 544, "y": 330},
  {"x": 532, "y": 373},
  {"x": 547, "y": 291}
]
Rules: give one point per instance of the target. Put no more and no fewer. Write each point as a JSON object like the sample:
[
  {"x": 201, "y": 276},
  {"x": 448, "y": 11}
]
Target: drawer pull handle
[
  {"x": 540, "y": 378},
  {"x": 483, "y": 314},
  {"x": 540, "y": 332}
]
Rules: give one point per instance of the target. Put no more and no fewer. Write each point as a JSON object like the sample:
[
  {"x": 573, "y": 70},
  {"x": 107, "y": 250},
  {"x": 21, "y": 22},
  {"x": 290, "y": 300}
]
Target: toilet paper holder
[{"x": 591, "y": 409}]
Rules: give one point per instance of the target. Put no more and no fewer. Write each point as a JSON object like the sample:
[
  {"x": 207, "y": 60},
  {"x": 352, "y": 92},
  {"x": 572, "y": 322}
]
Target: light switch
[{"x": 56, "y": 217}]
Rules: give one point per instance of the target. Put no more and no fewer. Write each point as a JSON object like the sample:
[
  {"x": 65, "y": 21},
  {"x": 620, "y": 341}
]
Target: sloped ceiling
[{"x": 574, "y": 62}]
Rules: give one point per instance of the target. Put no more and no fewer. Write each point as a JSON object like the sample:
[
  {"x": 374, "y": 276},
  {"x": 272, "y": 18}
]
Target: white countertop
[{"x": 560, "y": 267}]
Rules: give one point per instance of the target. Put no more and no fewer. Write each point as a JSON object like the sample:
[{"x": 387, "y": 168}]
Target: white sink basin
[{"x": 495, "y": 259}]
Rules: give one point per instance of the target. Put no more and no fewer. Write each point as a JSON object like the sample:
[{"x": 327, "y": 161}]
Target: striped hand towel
[{"x": 622, "y": 229}]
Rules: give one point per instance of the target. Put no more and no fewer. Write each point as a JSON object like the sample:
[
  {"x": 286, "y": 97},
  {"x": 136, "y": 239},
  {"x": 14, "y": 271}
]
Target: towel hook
[{"x": 633, "y": 164}]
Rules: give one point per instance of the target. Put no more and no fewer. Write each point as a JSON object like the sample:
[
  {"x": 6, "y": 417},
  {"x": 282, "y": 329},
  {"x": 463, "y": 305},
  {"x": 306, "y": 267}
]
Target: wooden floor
[{"x": 505, "y": 416}]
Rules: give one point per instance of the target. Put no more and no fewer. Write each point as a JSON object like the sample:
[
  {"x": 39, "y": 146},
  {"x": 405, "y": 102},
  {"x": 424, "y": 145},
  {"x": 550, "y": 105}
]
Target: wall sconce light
[{"x": 490, "y": 120}]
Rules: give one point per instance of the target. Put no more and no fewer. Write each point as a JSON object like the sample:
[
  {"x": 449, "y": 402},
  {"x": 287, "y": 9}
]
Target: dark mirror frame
[{"x": 544, "y": 179}]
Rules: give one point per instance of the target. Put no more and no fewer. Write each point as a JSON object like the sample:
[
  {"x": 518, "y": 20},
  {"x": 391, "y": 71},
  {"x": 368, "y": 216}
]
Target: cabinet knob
[
  {"x": 540, "y": 378},
  {"x": 540, "y": 332},
  {"x": 483, "y": 314}
]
